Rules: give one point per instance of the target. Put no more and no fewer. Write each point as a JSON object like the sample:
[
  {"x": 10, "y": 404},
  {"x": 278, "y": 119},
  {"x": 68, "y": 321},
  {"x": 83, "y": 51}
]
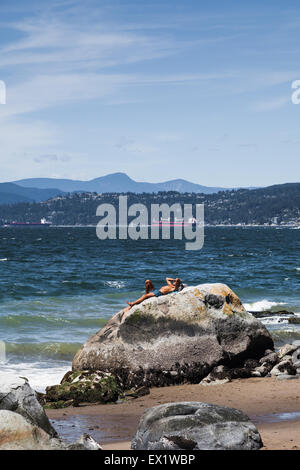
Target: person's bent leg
[{"x": 141, "y": 299}]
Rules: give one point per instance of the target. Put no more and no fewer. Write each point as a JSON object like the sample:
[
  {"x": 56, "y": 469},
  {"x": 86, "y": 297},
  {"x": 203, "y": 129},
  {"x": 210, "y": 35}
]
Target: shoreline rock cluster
[
  {"x": 173, "y": 426},
  {"x": 24, "y": 424},
  {"x": 283, "y": 364},
  {"x": 90, "y": 387}
]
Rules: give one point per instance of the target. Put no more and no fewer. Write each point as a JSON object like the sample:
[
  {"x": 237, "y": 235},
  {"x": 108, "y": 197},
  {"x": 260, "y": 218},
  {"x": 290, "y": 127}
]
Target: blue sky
[{"x": 160, "y": 90}]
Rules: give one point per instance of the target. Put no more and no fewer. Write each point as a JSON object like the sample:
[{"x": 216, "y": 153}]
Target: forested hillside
[{"x": 279, "y": 204}]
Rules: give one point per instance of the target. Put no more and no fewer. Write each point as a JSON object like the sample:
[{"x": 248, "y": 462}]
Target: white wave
[
  {"x": 115, "y": 284},
  {"x": 39, "y": 377},
  {"x": 3, "y": 259},
  {"x": 275, "y": 320},
  {"x": 297, "y": 269},
  {"x": 262, "y": 305}
]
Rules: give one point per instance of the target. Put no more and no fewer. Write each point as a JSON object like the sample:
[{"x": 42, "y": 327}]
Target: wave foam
[
  {"x": 39, "y": 377},
  {"x": 275, "y": 320},
  {"x": 115, "y": 284},
  {"x": 261, "y": 305}
]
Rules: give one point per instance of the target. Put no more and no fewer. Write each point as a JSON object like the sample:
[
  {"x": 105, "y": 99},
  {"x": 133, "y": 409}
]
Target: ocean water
[{"x": 58, "y": 286}]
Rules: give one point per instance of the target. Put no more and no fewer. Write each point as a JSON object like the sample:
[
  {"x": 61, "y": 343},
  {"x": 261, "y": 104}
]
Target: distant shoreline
[{"x": 206, "y": 225}]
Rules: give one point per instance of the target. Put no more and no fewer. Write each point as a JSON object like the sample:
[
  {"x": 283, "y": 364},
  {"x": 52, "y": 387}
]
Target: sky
[{"x": 158, "y": 89}]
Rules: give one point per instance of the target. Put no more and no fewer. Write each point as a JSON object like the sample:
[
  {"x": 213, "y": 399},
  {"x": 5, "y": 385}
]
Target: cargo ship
[
  {"x": 42, "y": 223},
  {"x": 177, "y": 222}
]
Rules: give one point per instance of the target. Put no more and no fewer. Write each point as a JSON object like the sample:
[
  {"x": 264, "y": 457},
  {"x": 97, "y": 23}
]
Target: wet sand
[{"x": 273, "y": 405}]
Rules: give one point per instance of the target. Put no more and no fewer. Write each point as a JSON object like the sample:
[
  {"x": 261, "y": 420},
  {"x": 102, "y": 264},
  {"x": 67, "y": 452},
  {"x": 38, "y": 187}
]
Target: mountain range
[
  {"x": 41, "y": 189},
  {"x": 116, "y": 183},
  {"x": 11, "y": 193}
]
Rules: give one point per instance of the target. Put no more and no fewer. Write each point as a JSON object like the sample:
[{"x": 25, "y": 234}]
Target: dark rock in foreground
[
  {"x": 195, "y": 426},
  {"x": 17, "y": 395},
  {"x": 175, "y": 338}
]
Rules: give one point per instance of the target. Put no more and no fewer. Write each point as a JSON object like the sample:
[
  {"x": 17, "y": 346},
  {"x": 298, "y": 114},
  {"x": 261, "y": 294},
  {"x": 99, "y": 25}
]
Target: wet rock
[
  {"x": 199, "y": 328},
  {"x": 207, "y": 381},
  {"x": 287, "y": 357},
  {"x": 268, "y": 351},
  {"x": 56, "y": 405},
  {"x": 285, "y": 367},
  {"x": 83, "y": 386},
  {"x": 137, "y": 392},
  {"x": 240, "y": 373},
  {"x": 269, "y": 359},
  {"x": 268, "y": 313},
  {"x": 251, "y": 364},
  {"x": 294, "y": 320},
  {"x": 219, "y": 375},
  {"x": 195, "y": 426},
  {"x": 17, "y": 395},
  {"x": 85, "y": 442},
  {"x": 286, "y": 349},
  {"x": 263, "y": 370},
  {"x": 296, "y": 357},
  {"x": 256, "y": 373}
]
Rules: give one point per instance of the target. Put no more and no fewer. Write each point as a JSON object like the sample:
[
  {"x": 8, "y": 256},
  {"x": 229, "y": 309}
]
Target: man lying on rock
[{"x": 173, "y": 285}]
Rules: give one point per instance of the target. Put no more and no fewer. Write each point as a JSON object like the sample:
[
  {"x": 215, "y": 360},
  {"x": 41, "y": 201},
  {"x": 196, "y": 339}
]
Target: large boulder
[
  {"x": 195, "y": 426},
  {"x": 16, "y": 433},
  {"x": 17, "y": 395},
  {"x": 175, "y": 338}
]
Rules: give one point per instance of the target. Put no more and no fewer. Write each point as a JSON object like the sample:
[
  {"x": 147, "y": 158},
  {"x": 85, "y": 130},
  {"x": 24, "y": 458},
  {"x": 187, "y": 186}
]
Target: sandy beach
[{"x": 273, "y": 405}]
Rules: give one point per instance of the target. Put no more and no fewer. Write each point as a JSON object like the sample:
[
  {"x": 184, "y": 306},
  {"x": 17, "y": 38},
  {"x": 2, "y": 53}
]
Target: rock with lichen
[
  {"x": 176, "y": 338},
  {"x": 82, "y": 386}
]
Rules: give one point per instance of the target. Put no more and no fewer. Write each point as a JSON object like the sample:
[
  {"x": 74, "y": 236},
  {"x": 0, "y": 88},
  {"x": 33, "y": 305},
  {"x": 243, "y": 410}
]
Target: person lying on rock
[{"x": 173, "y": 285}]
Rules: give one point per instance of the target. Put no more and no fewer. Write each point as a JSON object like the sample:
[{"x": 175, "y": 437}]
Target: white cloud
[
  {"x": 63, "y": 45},
  {"x": 61, "y": 62}
]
